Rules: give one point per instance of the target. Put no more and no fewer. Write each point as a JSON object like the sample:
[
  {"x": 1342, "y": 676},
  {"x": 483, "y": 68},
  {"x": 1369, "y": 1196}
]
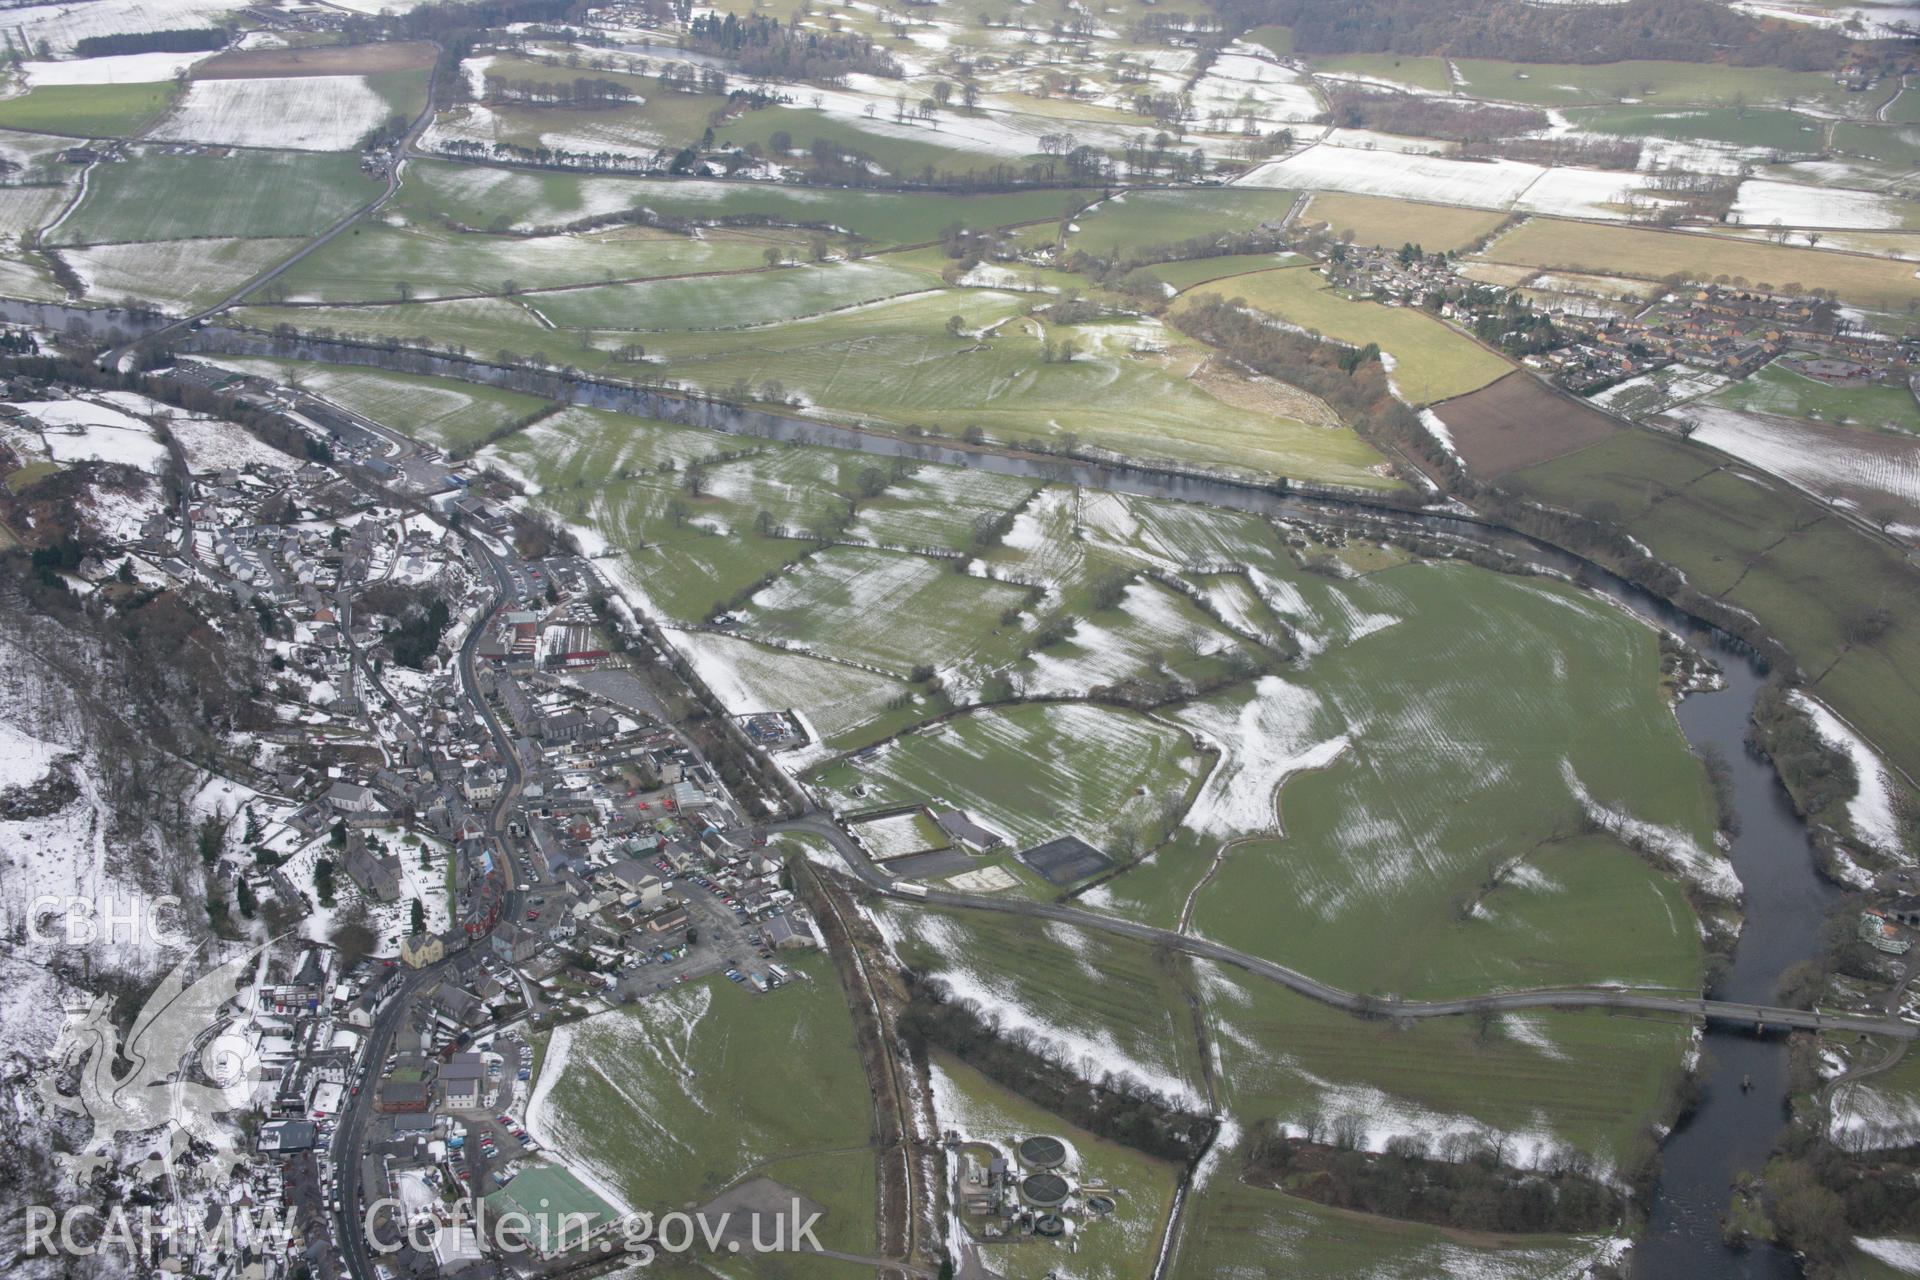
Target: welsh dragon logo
[{"x": 188, "y": 1059}]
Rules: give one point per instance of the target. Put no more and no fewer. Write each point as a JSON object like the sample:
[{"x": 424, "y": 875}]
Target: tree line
[
  {"x": 181, "y": 40},
  {"x": 1672, "y": 30},
  {"x": 1114, "y": 1106},
  {"x": 1463, "y": 1183}
]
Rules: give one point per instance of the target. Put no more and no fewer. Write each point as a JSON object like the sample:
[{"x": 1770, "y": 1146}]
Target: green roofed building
[{"x": 560, "y": 1210}]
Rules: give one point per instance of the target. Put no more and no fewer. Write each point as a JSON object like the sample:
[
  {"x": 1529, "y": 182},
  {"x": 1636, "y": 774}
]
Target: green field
[
  {"x": 1189, "y": 272},
  {"x": 1455, "y": 683},
  {"x": 1789, "y": 131},
  {"x": 246, "y": 193},
  {"x": 1274, "y": 39},
  {"x": 484, "y": 197},
  {"x": 1114, "y": 1005},
  {"x": 896, "y": 364},
  {"x": 1034, "y": 772},
  {"x": 457, "y": 416},
  {"x": 674, "y": 1099},
  {"x": 1652, "y": 255},
  {"x": 1419, "y": 73},
  {"x": 1656, "y": 83},
  {"x": 935, "y": 616},
  {"x": 1763, "y": 548},
  {"x": 86, "y": 110},
  {"x": 1890, "y": 144},
  {"x": 1592, "y": 1082},
  {"x": 371, "y": 264},
  {"x": 732, "y": 302},
  {"x": 664, "y": 121},
  {"x": 1778, "y": 390},
  {"x": 901, "y": 157},
  {"x": 1430, "y": 361},
  {"x": 1133, "y": 221},
  {"x": 1240, "y": 1230},
  {"x": 872, "y": 344},
  {"x": 175, "y": 275}
]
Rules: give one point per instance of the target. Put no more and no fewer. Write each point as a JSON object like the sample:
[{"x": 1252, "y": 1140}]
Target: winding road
[
  {"x": 401, "y": 150},
  {"x": 1766, "y": 1017}
]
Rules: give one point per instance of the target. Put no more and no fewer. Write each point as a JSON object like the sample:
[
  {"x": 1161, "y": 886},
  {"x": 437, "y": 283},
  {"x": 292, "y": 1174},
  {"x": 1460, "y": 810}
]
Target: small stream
[{"x": 1732, "y": 1129}]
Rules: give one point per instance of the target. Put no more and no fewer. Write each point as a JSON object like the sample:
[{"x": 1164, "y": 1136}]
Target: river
[
  {"x": 1732, "y": 1129},
  {"x": 1786, "y": 901}
]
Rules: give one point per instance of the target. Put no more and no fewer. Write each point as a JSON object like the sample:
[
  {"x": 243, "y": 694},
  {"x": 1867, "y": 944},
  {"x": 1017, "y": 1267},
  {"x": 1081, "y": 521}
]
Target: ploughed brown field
[
  {"x": 346, "y": 60},
  {"x": 1517, "y": 422}
]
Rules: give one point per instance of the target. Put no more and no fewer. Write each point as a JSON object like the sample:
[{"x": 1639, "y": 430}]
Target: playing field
[{"x": 1429, "y": 361}]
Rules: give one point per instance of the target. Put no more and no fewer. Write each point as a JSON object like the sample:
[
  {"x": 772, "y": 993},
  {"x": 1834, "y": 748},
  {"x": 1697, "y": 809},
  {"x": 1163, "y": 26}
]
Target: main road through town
[{"x": 351, "y": 1140}]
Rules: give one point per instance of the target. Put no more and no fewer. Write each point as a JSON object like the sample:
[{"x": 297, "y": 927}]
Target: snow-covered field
[
  {"x": 214, "y": 445},
  {"x": 1762, "y": 202},
  {"x": 1085, "y": 761},
  {"x": 473, "y": 122},
  {"x": 1156, "y": 625},
  {"x": 80, "y": 431},
  {"x": 175, "y": 275},
  {"x": 303, "y": 113},
  {"x": 1826, "y": 463},
  {"x": 894, "y": 836},
  {"x": 127, "y": 68},
  {"x": 1659, "y": 390},
  {"x": 1243, "y": 83},
  {"x": 1490, "y": 184},
  {"x": 1868, "y": 1117},
  {"x": 1707, "y": 868},
  {"x": 831, "y": 601},
  {"x": 1872, "y": 808},
  {"x": 1278, "y": 732},
  {"x": 1089, "y": 1048},
  {"x": 747, "y": 677},
  {"x": 62, "y": 25},
  {"x": 1902, "y": 1255}
]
